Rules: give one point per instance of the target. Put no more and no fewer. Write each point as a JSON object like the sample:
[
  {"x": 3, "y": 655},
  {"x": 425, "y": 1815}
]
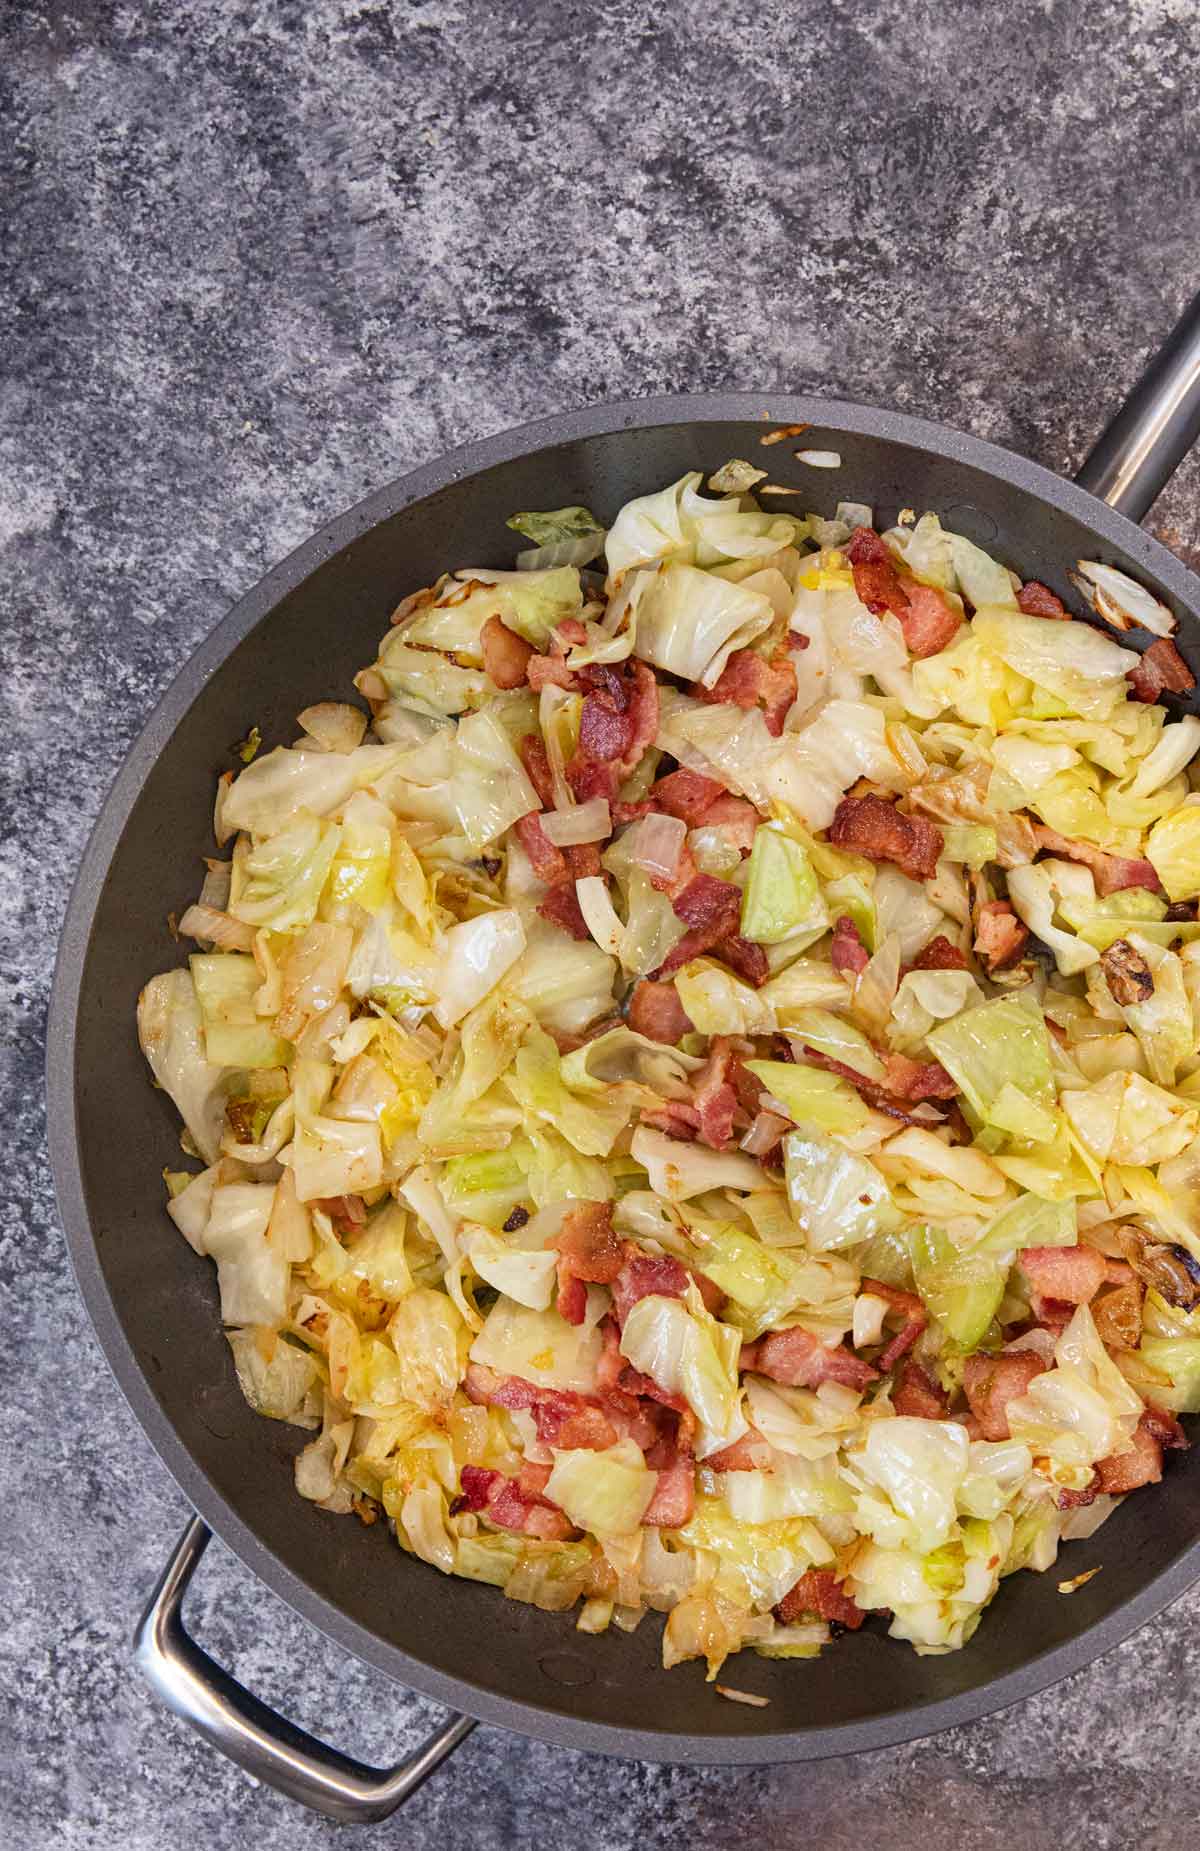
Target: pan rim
[{"x": 456, "y": 1691}]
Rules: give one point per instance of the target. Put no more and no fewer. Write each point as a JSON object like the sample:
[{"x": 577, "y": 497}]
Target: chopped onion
[
  {"x": 820, "y": 459},
  {"x": 215, "y": 928},
  {"x": 218, "y": 879},
  {"x": 584, "y": 822},
  {"x": 741, "y": 1696},
  {"x": 764, "y": 1133},
  {"x": 655, "y": 844},
  {"x": 1120, "y": 600},
  {"x": 600, "y": 915},
  {"x": 333, "y": 726}
]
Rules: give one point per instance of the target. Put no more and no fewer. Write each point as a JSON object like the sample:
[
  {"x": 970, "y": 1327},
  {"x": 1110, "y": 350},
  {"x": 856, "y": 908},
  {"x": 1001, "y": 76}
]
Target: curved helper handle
[
  {"x": 1155, "y": 428},
  {"x": 268, "y": 1746}
]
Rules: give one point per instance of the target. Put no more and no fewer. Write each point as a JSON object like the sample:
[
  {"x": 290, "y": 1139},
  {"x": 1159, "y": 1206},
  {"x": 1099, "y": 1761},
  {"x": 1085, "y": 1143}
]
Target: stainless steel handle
[
  {"x": 268, "y": 1746},
  {"x": 1155, "y": 428}
]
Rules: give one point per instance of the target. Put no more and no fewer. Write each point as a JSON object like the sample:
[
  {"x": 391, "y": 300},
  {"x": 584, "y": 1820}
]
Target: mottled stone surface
[{"x": 257, "y": 259}]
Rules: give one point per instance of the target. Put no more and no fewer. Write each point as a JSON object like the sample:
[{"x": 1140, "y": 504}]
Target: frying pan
[{"x": 296, "y": 638}]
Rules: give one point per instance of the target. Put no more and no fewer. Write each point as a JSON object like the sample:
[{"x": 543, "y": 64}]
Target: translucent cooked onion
[
  {"x": 655, "y": 843},
  {"x": 820, "y": 459},
  {"x": 764, "y": 1133},
  {"x": 333, "y": 726},
  {"x": 211, "y": 927},
  {"x": 600, "y": 914},
  {"x": 584, "y": 822},
  {"x": 1119, "y": 599}
]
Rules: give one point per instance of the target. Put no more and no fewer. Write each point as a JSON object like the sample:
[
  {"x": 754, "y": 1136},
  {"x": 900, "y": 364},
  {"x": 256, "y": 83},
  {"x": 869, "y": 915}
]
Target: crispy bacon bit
[
  {"x": 749, "y": 678},
  {"x": 1037, "y": 600},
  {"x": 548, "y": 862},
  {"x": 930, "y": 622},
  {"x": 561, "y": 908},
  {"x": 563, "y": 1418},
  {"x": 1072, "y": 1275},
  {"x": 583, "y": 859},
  {"x": 876, "y": 580},
  {"x": 991, "y": 1382},
  {"x": 674, "y": 1496},
  {"x": 749, "y": 1454},
  {"x": 1067, "y": 1499},
  {"x": 1000, "y": 937},
  {"x": 1161, "y": 667},
  {"x": 571, "y": 1298},
  {"x": 801, "y": 1360},
  {"x": 914, "y": 1080},
  {"x": 745, "y": 957},
  {"x": 737, "y": 816},
  {"x": 533, "y": 755},
  {"x": 847, "y": 952},
  {"x": 1112, "y": 873},
  {"x": 588, "y": 1243},
  {"x": 916, "y": 1394},
  {"x": 604, "y": 729},
  {"x": 646, "y": 1275},
  {"x": 1164, "y": 1427},
  {"x": 589, "y": 780},
  {"x": 1126, "y": 973},
  {"x": 1181, "y": 910},
  {"x": 878, "y": 1097},
  {"x": 939, "y": 954},
  {"x": 505, "y": 655},
  {"x": 713, "y": 1097},
  {"x": 687, "y": 795},
  {"x": 873, "y": 827},
  {"x": 908, "y": 1306},
  {"x": 821, "y": 1593},
  {"x": 707, "y": 901},
  {"x": 510, "y": 1506},
  {"x": 517, "y": 1219},
  {"x": 643, "y": 716},
  {"x": 675, "y": 1117},
  {"x": 1142, "y": 1465},
  {"x": 656, "y": 1012},
  {"x": 549, "y": 671}
]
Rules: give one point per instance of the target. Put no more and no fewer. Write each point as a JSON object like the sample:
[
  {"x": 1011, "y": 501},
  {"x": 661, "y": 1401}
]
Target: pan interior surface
[{"x": 297, "y": 639}]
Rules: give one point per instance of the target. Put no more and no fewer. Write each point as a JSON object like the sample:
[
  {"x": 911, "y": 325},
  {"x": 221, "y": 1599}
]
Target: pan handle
[
  {"x": 1155, "y": 428},
  {"x": 274, "y": 1750}
]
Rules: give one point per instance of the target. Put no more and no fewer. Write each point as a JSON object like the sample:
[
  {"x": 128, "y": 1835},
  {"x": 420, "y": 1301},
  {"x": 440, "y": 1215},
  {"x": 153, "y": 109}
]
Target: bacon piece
[
  {"x": 656, "y": 1012},
  {"x": 583, "y": 859},
  {"x": 674, "y": 1496},
  {"x": 876, "y": 580},
  {"x": 674, "y": 1116},
  {"x": 929, "y": 622},
  {"x": 1037, "y": 600},
  {"x": 914, "y": 1080},
  {"x": 549, "y": 671},
  {"x": 916, "y": 1394},
  {"x": 630, "y": 812},
  {"x": 572, "y": 1423},
  {"x": 1000, "y": 937},
  {"x": 847, "y": 951},
  {"x": 346, "y": 1212},
  {"x": 571, "y": 1298},
  {"x": 1142, "y": 1465},
  {"x": 745, "y": 957},
  {"x": 506, "y": 1503},
  {"x": 939, "y": 954},
  {"x": 505, "y": 655},
  {"x": 875, "y": 1096},
  {"x": 561, "y": 908},
  {"x": 1112, "y": 873},
  {"x": 588, "y": 779},
  {"x": 1164, "y": 1427},
  {"x": 749, "y": 1454},
  {"x": 873, "y": 827},
  {"x": 534, "y": 757},
  {"x": 548, "y": 862},
  {"x": 646, "y": 1275},
  {"x": 687, "y": 795},
  {"x": 711, "y": 909},
  {"x": 991, "y": 1382},
  {"x": 1072, "y": 1275},
  {"x": 608, "y": 1369},
  {"x": 589, "y": 1244},
  {"x": 643, "y": 716},
  {"x": 1067, "y": 1499},
  {"x": 801, "y": 1360},
  {"x": 748, "y": 678},
  {"x": 713, "y": 1097},
  {"x": 1161, "y": 667},
  {"x": 820, "y": 1592},
  {"x": 737, "y": 816},
  {"x": 605, "y": 731},
  {"x": 910, "y": 1308}
]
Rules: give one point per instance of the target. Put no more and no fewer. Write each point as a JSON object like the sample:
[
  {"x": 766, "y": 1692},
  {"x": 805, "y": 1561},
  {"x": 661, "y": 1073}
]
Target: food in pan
[{"x": 699, "y": 1086}]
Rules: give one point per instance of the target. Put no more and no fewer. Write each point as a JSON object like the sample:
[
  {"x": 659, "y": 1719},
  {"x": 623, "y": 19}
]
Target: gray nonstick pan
[{"x": 297, "y": 638}]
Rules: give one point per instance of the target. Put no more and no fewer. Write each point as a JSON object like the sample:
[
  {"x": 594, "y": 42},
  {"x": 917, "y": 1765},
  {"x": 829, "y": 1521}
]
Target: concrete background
[{"x": 260, "y": 257}]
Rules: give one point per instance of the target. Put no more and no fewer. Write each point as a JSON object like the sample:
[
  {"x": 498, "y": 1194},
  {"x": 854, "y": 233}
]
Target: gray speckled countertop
[{"x": 258, "y": 257}]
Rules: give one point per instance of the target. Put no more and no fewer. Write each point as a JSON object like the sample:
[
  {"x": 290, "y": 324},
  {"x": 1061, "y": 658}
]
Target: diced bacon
[
  {"x": 801, "y": 1360},
  {"x": 347, "y": 1212},
  {"x": 873, "y": 827},
  {"x": 1142, "y": 1465},
  {"x": 821, "y": 1593},
  {"x": 1068, "y": 1499},
  {"x": 608, "y": 1369},
  {"x": 737, "y": 816},
  {"x": 749, "y": 1454},
  {"x": 746, "y": 958},
  {"x": 505, "y": 655},
  {"x": 605, "y": 730},
  {"x": 687, "y": 795},
  {"x": 1000, "y": 937},
  {"x": 991, "y": 1382},
  {"x": 643, "y": 716},
  {"x": 909, "y": 1307},
  {"x": 583, "y": 860},
  {"x": 572, "y": 1423},
  {"x": 656, "y": 1012},
  {"x": 1112, "y": 873},
  {"x": 548, "y": 862},
  {"x": 476, "y": 1483},
  {"x": 706, "y": 900},
  {"x": 532, "y": 1479},
  {"x": 748, "y": 679},
  {"x": 674, "y": 1116},
  {"x": 929, "y": 622},
  {"x": 488, "y": 1388},
  {"x": 549, "y": 671},
  {"x": 630, "y": 812},
  {"x": 569, "y": 631},
  {"x": 917, "y": 1395},
  {"x": 914, "y": 1080},
  {"x": 571, "y": 1298},
  {"x": 646, "y": 1275},
  {"x": 674, "y": 1496},
  {"x": 506, "y": 1503},
  {"x": 1161, "y": 667},
  {"x": 714, "y": 1099},
  {"x": 878, "y": 1097},
  {"x": 939, "y": 954},
  {"x": 533, "y": 755},
  {"x": 1164, "y": 1427},
  {"x": 876, "y": 580},
  {"x": 1037, "y": 600},
  {"x": 847, "y": 952},
  {"x": 589, "y": 1244},
  {"x": 1073, "y": 1275},
  {"x": 561, "y": 908},
  {"x": 589, "y": 779}
]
